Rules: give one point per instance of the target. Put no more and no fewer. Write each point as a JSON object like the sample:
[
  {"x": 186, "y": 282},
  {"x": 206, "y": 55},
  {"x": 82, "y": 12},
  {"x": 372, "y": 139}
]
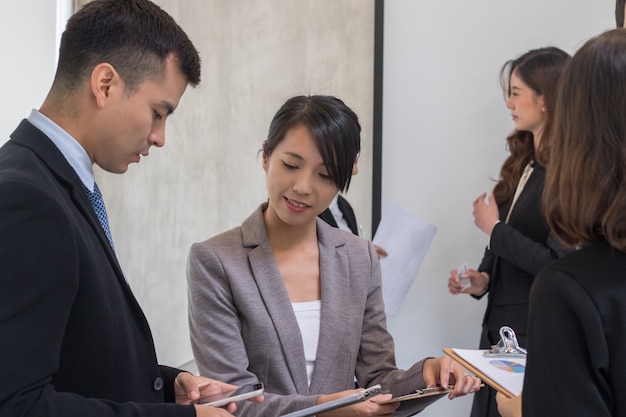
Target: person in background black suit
[
  {"x": 340, "y": 214},
  {"x": 619, "y": 13},
  {"x": 74, "y": 339},
  {"x": 519, "y": 239}
]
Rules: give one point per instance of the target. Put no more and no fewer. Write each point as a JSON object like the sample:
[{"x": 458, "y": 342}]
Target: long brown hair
[
  {"x": 584, "y": 197},
  {"x": 540, "y": 70}
]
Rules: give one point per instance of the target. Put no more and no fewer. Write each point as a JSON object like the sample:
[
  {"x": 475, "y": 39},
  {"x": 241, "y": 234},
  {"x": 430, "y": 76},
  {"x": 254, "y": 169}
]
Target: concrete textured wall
[{"x": 208, "y": 177}]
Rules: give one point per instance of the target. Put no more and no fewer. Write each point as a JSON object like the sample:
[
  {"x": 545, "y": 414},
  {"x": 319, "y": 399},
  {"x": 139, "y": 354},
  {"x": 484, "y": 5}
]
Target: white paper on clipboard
[{"x": 406, "y": 238}]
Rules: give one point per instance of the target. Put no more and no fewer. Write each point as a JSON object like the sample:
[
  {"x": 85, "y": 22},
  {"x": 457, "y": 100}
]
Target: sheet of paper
[
  {"x": 406, "y": 237},
  {"x": 507, "y": 372}
]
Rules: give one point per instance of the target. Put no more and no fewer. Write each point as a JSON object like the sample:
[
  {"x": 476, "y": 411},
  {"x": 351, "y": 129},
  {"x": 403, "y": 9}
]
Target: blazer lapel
[
  {"x": 328, "y": 217},
  {"x": 28, "y": 135},
  {"x": 275, "y": 297},
  {"x": 84, "y": 205},
  {"x": 335, "y": 282}
]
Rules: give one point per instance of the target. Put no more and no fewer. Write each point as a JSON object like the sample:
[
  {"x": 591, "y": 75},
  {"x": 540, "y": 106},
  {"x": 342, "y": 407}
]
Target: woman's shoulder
[
  {"x": 597, "y": 269},
  {"x": 251, "y": 232},
  {"x": 222, "y": 242},
  {"x": 333, "y": 236}
]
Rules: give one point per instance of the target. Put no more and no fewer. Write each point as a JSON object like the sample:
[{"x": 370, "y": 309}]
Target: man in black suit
[
  {"x": 74, "y": 339},
  {"x": 340, "y": 212}
]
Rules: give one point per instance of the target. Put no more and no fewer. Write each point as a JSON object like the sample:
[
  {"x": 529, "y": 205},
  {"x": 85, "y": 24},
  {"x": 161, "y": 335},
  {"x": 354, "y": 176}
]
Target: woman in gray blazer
[{"x": 292, "y": 302}]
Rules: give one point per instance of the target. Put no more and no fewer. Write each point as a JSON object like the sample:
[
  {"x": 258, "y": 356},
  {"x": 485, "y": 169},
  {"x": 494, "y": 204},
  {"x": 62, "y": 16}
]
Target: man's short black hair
[{"x": 134, "y": 36}]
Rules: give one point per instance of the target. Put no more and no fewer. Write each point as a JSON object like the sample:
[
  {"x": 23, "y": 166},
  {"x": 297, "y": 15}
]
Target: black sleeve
[{"x": 567, "y": 351}]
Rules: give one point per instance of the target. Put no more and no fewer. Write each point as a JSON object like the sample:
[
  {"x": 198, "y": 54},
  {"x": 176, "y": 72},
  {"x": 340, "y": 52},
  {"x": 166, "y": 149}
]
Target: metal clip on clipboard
[{"x": 507, "y": 346}]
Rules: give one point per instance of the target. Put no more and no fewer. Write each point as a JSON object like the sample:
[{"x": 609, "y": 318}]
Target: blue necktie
[{"x": 98, "y": 206}]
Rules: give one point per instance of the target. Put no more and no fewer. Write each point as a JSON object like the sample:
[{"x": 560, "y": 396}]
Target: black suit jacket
[
  {"x": 74, "y": 340},
  {"x": 346, "y": 211},
  {"x": 576, "y": 336},
  {"x": 518, "y": 250}
]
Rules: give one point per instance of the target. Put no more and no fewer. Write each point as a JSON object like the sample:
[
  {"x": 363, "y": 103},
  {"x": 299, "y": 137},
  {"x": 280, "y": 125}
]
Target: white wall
[
  {"x": 444, "y": 129},
  {"x": 27, "y": 45}
]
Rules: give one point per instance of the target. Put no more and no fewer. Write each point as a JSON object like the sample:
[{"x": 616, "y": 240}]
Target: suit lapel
[
  {"x": 335, "y": 287},
  {"x": 334, "y": 274},
  {"x": 532, "y": 189},
  {"x": 81, "y": 201},
  {"x": 348, "y": 214},
  {"x": 275, "y": 297},
  {"x": 28, "y": 135},
  {"x": 328, "y": 217}
]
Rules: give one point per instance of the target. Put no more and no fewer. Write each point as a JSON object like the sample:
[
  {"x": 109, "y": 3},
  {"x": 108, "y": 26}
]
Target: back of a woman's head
[
  {"x": 585, "y": 192},
  {"x": 334, "y": 127}
]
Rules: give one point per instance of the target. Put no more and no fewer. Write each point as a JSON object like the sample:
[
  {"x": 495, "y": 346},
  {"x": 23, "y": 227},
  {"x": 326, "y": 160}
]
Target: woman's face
[
  {"x": 298, "y": 184},
  {"x": 527, "y": 108}
]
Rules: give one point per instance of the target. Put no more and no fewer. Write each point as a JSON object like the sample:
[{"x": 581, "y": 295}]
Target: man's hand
[{"x": 190, "y": 388}]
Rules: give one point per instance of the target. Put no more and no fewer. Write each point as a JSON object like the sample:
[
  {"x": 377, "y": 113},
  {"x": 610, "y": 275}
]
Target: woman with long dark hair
[{"x": 519, "y": 240}]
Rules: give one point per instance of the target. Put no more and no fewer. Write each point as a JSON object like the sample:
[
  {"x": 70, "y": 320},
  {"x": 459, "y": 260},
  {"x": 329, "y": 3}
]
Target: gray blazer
[{"x": 243, "y": 327}]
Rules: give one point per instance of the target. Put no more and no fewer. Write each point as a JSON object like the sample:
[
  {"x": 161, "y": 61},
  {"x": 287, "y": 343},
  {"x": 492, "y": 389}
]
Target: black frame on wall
[{"x": 377, "y": 134}]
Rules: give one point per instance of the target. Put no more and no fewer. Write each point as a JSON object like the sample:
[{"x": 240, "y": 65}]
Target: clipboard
[
  {"x": 340, "y": 402},
  {"x": 503, "y": 373},
  {"x": 502, "y": 367},
  {"x": 492, "y": 382}
]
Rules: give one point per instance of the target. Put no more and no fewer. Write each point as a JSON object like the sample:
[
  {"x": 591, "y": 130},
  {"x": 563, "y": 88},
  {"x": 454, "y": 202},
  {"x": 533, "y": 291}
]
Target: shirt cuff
[{"x": 494, "y": 226}]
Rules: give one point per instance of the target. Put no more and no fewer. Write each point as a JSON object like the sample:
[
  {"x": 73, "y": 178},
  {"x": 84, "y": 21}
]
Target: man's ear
[{"x": 104, "y": 81}]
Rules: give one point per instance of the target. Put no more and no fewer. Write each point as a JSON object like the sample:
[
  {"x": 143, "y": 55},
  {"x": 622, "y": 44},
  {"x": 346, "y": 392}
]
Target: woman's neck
[
  {"x": 537, "y": 138},
  {"x": 282, "y": 235}
]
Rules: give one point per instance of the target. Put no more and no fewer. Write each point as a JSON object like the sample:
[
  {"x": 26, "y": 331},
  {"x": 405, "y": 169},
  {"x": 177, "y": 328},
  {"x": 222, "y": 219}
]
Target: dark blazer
[
  {"x": 576, "y": 336},
  {"x": 243, "y": 327},
  {"x": 346, "y": 211},
  {"x": 518, "y": 250},
  {"x": 74, "y": 339}
]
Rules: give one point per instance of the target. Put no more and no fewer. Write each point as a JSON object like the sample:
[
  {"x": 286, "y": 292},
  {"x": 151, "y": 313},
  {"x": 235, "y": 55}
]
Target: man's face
[{"x": 133, "y": 123}]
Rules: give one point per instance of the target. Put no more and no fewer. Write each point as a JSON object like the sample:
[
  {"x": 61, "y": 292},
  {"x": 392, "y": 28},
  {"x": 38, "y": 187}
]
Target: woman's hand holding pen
[
  {"x": 478, "y": 282},
  {"x": 443, "y": 371}
]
